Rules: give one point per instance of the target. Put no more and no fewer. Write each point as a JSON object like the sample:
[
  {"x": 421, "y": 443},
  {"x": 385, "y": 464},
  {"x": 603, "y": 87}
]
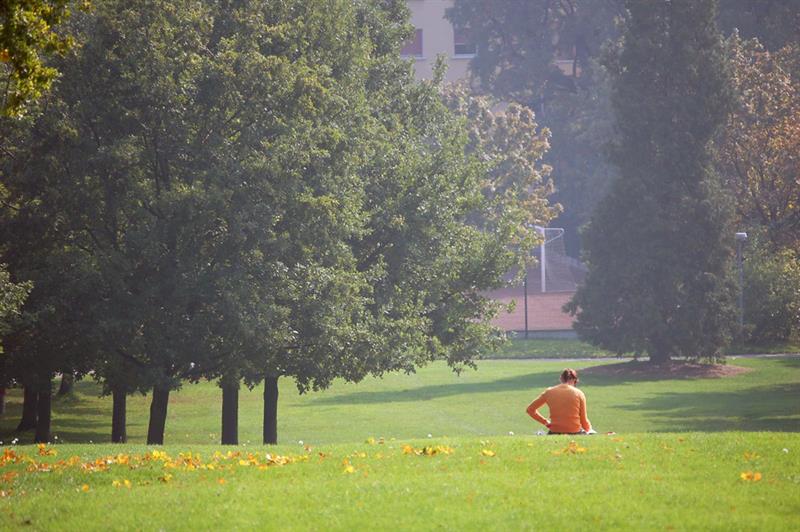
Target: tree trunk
[
  {"x": 67, "y": 382},
  {"x": 2, "y": 401},
  {"x": 119, "y": 433},
  {"x": 230, "y": 413},
  {"x": 29, "y": 404},
  {"x": 158, "y": 416},
  {"x": 43, "y": 413},
  {"x": 270, "y": 410},
  {"x": 659, "y": 355}
]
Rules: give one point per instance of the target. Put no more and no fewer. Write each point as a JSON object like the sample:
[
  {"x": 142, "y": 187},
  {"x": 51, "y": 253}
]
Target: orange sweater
[{"x": 567, "y": 406}]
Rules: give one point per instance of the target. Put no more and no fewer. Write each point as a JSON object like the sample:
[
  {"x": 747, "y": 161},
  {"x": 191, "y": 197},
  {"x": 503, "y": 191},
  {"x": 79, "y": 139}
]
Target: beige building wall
[{"x": 437, "y": 38}]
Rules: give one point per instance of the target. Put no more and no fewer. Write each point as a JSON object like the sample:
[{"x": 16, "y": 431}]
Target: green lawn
[
  {"x": 520, "y": 348},
  {"x": 632, "y": 481},
  {"x": 676, "y": 461},
  {"x": 487, "y": 402}
]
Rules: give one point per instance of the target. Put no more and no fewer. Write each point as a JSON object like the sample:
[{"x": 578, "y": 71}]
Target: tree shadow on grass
[
  {"x": 789, "y": 362},
  {"x": 764, "y": 408},
  {"x": 532, "y": 381},
  {"x": 75, "y": 418}
]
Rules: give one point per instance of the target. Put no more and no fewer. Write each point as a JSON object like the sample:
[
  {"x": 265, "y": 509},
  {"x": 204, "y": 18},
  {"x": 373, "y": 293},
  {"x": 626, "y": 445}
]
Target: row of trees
[{"x": 252, "y": 189}]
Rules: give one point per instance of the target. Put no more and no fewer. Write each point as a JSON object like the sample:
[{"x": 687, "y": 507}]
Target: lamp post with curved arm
[{"x": 741, "y": 238}]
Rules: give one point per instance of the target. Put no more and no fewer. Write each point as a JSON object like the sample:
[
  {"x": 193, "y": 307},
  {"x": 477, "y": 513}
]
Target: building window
[
  {"x": 463, "y": 44},
  {"x": 413, "y": 48}
]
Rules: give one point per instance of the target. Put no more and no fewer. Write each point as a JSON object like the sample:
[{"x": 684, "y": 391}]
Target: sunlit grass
[
  {"x": 686, "y": 454},
  {"x": 623, "y": 481},
  {"x": 488, "y": 402}
]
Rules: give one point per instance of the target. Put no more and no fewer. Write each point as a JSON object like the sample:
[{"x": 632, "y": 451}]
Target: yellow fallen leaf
[
  {"x": 349, "y": 469},
  {"x": 488, "y": 452},
  {"x": 44, "y": 451},
  {"x": 85, "y": 488},
  {"x": 221, "y": 481},
  {"x": 748, "y": 475}
]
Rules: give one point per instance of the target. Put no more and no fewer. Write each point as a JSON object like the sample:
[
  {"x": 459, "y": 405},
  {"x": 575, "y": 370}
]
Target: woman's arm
[
  {"x": 584, "y": 419},
  {"x": 533, "y": 409}
]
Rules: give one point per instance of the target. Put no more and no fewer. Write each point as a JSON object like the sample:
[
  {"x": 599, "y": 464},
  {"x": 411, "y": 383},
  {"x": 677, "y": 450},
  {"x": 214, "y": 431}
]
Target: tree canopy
[
  {"x": 658, "y": 248},
  {"x": 30, "y": 32},
  {"x": 758, "y": 147},
  {"x": 243, "y": 191}
]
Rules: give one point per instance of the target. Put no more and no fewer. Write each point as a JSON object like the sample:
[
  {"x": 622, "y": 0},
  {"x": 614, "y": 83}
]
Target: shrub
[{"x": 771, "y": 295}]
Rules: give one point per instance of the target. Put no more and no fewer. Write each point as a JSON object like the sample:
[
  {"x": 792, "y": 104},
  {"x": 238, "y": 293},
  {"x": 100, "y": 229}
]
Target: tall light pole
[
  {"x": 741, "y": 238},
  {"x": 525, "y": 287}
]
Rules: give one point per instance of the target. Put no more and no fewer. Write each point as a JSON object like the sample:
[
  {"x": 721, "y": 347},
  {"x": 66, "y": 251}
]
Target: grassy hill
[{"x": 687, "y": 454}]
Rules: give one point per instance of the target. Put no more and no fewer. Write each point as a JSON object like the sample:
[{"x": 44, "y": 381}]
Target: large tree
[
  {"x": 260, "y": 189},
  {"x": 445, "y": 219},
  {"x": 658, "y": 247}
]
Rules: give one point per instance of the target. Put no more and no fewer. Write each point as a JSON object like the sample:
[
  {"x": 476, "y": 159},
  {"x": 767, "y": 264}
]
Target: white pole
[
  {"x": 542, "y": 257},
  {"x": 544, "y": 261}
]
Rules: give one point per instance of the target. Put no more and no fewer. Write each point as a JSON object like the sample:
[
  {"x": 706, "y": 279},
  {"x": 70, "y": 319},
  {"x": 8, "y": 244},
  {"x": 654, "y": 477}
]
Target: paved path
[{"x": 622, "y": 359}]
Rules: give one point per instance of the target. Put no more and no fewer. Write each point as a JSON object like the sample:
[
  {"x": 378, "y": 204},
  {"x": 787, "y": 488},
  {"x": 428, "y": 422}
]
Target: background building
[{"x": 436, "y": 35}]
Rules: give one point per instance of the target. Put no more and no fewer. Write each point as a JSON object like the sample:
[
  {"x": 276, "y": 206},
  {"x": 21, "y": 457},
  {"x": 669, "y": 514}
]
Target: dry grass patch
[{"x": 669, "y": 370}]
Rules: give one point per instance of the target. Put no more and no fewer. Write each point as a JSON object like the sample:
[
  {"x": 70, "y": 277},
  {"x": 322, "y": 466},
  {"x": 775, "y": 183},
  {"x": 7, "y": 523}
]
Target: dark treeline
[{"x": 242, "y": 191}]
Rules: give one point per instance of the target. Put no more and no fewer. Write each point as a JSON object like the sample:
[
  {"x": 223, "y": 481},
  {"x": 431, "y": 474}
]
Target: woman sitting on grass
[{"x": 567, "y": 406}]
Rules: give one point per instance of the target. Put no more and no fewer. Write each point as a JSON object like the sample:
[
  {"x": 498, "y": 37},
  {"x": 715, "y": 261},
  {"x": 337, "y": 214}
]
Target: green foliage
[
  {"x": 28, "y": 34},
  {"x": 234, "y": 191},
  {"x": 773, "y": 22},
  {"x": 757, "y": 149},
  {"x": 12, "y": 297},
  {"x": 511, "y": 146},
  {"x": 771, "y": 294},
  {"x": 659, "y": 246}
]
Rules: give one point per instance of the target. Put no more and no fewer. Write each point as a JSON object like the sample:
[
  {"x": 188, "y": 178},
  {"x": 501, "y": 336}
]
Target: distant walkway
[
  {"x": 544, "y": 310},
  {"x": 623, "y": 358}
]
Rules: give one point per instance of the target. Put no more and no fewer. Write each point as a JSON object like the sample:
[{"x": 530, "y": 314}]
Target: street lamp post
[
  {"x": 525, "y": 287},
  {"x": 741, "y": 238}
]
